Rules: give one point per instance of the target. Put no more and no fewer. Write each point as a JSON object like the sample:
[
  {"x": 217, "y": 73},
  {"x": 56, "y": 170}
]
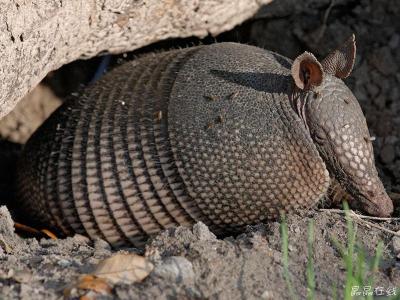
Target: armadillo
[{"x": 227, "y": 134}]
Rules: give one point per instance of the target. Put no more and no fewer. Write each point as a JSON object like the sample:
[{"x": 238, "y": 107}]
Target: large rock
[{"x": 37, "y": 37}]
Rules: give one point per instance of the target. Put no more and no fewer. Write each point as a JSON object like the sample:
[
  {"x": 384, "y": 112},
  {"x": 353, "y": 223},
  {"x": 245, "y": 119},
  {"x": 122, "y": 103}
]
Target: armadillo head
[{"x": 338, "y": 127}]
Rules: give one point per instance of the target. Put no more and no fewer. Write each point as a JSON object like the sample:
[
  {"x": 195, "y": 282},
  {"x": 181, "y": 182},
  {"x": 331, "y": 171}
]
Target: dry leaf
[
  {"x": 88, "y": 283},
  {"x": 126, "y": 268}
]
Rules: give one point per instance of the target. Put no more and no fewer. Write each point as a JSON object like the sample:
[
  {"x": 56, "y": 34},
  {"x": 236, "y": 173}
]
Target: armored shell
[{"x": 199, "y": 134}]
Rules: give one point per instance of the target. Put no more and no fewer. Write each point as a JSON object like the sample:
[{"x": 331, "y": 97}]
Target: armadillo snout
[
  {"x": 360, "y": 177},
  {"x": 377, "y": 203}
]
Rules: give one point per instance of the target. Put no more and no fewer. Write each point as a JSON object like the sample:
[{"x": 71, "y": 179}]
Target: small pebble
[
  {"x": 47, "y": 243},
  {"x": 35, "y": 260},
  {"x": 64, "y": 263},
  {"x": 100, "y": 244},
  {"x": 201, "y": 231},
  {"x": 175, "y": 269},
  {"x": 267, "y": 295},
  {"x": 396, "y": 244},
  {"x": 81, "y": 239}
]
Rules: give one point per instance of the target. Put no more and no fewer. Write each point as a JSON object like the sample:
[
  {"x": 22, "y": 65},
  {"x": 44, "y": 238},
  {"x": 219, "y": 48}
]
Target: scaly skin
[{"x": 209, "y": 134}]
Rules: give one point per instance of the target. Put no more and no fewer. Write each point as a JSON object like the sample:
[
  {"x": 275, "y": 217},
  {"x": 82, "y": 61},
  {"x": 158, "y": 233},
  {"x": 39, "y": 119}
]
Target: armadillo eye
[{"x": 319, "y": 137}]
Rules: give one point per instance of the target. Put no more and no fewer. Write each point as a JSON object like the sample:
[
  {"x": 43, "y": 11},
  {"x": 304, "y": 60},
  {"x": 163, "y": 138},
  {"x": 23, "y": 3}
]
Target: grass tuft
[
  {"x": 356, "y": 274},
  {"x": 359, "y": 270}
]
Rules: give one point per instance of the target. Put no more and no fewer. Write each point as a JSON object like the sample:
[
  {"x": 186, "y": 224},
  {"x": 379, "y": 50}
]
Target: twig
[
  {"x": 352, "y": 213},
  {"x": 359, "y": 219},
  {"x": 324, "y": 20},
  {"x": 363, "y": 222}
]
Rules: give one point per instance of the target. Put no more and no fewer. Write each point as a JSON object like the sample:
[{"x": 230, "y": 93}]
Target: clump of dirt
[
  {"x": 191, "y": 263},
  {"x": 250, "y": 266}
]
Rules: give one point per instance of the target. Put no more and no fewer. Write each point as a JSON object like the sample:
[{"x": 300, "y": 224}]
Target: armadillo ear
[
  {"x": 307, "y": 72},
  {"x": 341, "y": 61}
]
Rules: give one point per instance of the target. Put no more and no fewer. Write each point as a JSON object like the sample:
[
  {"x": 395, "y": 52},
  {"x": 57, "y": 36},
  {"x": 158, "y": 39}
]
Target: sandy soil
[{"x": 192, "y": 263}]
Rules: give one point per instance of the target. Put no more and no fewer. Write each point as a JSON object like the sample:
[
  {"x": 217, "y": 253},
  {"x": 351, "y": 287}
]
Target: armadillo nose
[{"x": 380, "y": 205}]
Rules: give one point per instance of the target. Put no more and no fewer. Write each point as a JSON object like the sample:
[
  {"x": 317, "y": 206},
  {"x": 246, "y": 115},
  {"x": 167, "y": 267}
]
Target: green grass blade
[
  {"x": 310, "y": 262},
  {"x": 378, "y": 256},
  {"x": 375, "y": 265},
  {"x": 356, "y": 274},
  {"x": 351, "y": 237},
  {"x": 285, "y": 253},
  {"x": 360, "y": 271}
]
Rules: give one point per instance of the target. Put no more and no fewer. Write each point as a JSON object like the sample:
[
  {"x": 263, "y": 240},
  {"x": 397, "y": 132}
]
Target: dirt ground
[{"x": 191, "y": 263}]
